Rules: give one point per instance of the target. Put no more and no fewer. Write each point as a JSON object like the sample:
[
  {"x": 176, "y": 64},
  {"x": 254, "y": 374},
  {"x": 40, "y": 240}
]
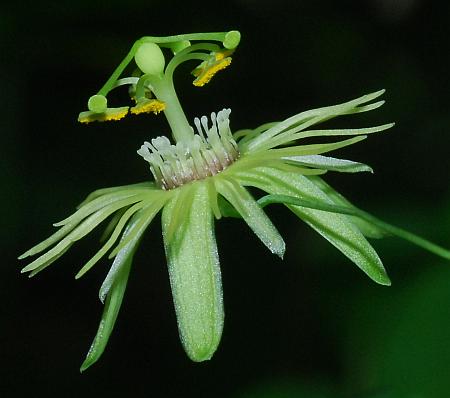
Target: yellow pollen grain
[
  {"x": 219, "y": 55},
  {"x": 116, "y": 116},
  {"x": 208, "y": 73},
  {"x": 154, "y": 106},
  {"x": 88, "y": 117}
]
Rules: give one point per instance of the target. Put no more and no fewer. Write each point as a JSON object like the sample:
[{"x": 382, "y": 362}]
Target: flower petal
[
  {"x": 329, "y": 163},
  {"x": 101, "y": 202},
  {"x": 306, "y": 119},
  {"x": 110, "y": 242},
  {"x": 114, "y": 285},
  {"x": 129, "y": 241},
  {"x": 97, "y": 205},
  {"x": 299, "y": 132},
  {"x": 273, "y": 156},
  {"x": 122, "y": 265},
  {"x": 336, "y": 228},
  {"x": 85, "y": 227},
  {"x": 253, "y": 215},
  {"x": 194, "y": 272},
  {"x": 103, "y": 191},
  {"x": 109, "y": 316}
]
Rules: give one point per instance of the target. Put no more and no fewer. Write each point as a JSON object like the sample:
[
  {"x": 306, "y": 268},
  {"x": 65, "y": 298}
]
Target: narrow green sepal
[
  {"x": 253, "y": 215},
  {"x": 114, "y": 294},
  {"x": 273, "y": 136},
  {"x": 132, "y": 235},
  {"x": 149, "y": 212},
  {"x": 194, "y": 272},
  {"x": 109, "y": 316},
  {"x": 329, "y": 163},
  {"x": 356, "y": 213},
  {"x": 368, "y": 229},
  {"x": 226, "y": 209},
  {"x": 103, "y": 191},
  {"x": 110, "y": 242},
  {"x": 336, "y": 228}
]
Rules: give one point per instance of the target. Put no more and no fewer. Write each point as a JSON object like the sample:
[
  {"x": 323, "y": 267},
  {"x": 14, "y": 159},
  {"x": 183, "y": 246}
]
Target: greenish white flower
[{"x": 204, "y": 174}]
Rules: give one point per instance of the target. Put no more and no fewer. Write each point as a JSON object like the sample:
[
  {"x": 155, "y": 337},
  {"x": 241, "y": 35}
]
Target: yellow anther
[
  {"x": 205, "y": 72},
  {"x": 219, "y": 55},
  {"x": 147, "y": 106},
  {"x": 108, "y": 115}
]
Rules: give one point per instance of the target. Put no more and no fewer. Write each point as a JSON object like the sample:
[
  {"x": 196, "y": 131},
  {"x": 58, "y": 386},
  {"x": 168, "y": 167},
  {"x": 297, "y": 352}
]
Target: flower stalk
[{"x": 165, "y": 92}]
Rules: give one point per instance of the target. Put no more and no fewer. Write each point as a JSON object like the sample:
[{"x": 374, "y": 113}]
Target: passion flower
[{"x": 202, "y": 175}]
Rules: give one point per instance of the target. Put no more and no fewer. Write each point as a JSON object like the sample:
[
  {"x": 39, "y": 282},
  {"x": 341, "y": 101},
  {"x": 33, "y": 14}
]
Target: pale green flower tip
[
  {"x": 232, "y": 39},
  {"x": 386, "y": 126},
  {"x": 378, "y": 93},
  {"x": 150, "y": 59},
  {"x": 26, "y": 269},
  {"x": 383, "y": 280},
  {"x": 380, "y": 276},
  {"x": 201, "y": 354},
  {"x": 200, "y": 358},
  {"x": 87, "y": 363},
  {"x": 78, "y": 275},
  {"x": 24, "y": 255},
  {"x": 279, "y": 249},
  {"x": 98, "y": 103}
]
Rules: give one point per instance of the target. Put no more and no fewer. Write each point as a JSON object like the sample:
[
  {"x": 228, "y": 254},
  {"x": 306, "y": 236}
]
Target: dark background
[{"x": 309, "y": 326}]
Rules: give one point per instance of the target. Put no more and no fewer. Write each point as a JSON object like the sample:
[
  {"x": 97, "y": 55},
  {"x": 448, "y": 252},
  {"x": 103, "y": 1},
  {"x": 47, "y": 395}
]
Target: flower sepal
[{"x": 194, "y": 270}]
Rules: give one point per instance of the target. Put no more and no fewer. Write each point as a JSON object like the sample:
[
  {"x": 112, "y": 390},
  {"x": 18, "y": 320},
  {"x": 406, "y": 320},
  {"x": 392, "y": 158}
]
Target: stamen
[
  {"x": 107, "y": 115},
  {"x": 207, "y": 69},
  {"x": 148, "y": 105},
  {"x": 211, "y": 151}
]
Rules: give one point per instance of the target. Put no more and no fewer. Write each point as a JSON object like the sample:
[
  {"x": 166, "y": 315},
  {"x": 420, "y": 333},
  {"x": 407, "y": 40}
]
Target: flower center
[{"x": 212, "y": 150}]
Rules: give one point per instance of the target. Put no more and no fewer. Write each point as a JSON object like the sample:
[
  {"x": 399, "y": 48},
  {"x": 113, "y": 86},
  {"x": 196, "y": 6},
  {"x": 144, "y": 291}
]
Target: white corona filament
[{"x": 208, "y": 153}]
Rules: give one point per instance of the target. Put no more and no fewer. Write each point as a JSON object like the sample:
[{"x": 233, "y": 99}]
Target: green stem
[
  {"x": 353, "y": 211},
  {"x": 215, "y": 36},
  {"x": 125, "y": 81},
  {"x": 182, "y": 56},
  {"x": 228, "y": 211},
  {"x": 164, "y": 90},
  {"x": 109, "y": 85}
]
